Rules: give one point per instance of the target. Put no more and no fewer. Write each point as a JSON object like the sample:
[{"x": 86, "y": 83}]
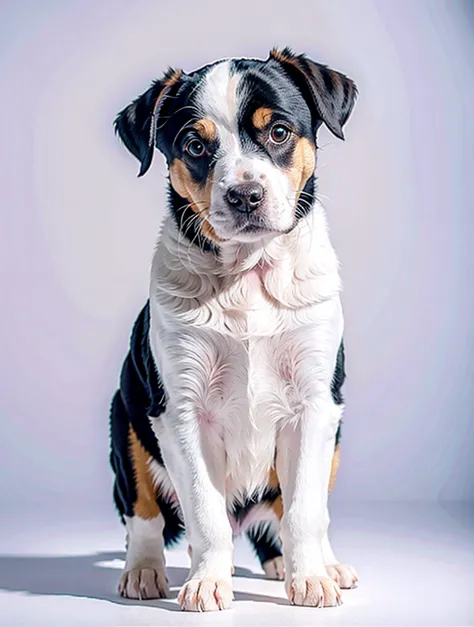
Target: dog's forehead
[
  {"x": 227, "y": 90},
  {"x": 217, "y": 95}
]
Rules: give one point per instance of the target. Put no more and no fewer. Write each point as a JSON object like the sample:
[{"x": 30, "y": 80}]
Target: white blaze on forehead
[
  {"x": 218, "y": 102},
  {"x": 218, "y": 95}
]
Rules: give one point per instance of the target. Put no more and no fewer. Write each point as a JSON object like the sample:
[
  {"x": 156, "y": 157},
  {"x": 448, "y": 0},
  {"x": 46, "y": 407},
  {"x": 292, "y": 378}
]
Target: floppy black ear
[
  {"x": 136, "y": 124},
  {"x": 330, "y": 94}
]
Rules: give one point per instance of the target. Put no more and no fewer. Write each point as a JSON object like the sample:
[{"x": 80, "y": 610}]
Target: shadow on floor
[{"x": 85, "y": 576}]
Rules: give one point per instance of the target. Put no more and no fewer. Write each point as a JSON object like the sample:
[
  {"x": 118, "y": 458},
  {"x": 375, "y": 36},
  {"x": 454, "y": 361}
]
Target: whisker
[
  {"x": 197, "y": 236},
  {"x": 187, "y": 221},
  {"x": 182, "y": 233},
  {"x": 319, "y": 195},
  {"x": 169, "y": 117},
  {"x": 328, "y": 143},
  {"x": 186, "y": 225}
]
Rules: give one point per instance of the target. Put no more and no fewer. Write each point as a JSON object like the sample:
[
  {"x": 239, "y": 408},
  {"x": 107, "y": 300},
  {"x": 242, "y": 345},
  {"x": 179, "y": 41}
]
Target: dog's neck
[{"x": 295, "y": 268}]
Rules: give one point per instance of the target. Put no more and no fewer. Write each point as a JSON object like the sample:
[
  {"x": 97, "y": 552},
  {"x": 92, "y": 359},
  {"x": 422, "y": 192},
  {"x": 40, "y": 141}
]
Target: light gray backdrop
[{"x": 78, "y": 227}]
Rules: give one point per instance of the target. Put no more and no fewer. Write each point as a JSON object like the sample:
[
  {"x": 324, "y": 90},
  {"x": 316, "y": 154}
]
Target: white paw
[
  {"x": 344, "y": 575},
  {"x": 205, "y": 595},
  {"x": 144, "y": 583},
  {"x": 274, "y": 569},
  {"x": 314, "y": 591}
]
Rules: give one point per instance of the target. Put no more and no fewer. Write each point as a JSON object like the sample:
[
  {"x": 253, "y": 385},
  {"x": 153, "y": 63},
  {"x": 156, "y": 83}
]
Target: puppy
[{"x": 228, "y": 414}]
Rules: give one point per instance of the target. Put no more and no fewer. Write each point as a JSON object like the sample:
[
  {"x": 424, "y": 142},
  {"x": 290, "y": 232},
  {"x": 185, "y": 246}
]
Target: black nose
[{"x": 245, "y": 197}]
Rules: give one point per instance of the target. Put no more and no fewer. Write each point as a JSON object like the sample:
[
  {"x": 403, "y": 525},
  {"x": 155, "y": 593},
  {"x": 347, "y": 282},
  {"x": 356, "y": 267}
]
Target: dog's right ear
[
  {"x": 330, "y": 94},
  {"x": 136, "y": 125}
]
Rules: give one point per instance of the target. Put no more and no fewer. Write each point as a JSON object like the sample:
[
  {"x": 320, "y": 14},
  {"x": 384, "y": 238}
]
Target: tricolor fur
[{"x": 228, "y": 414}]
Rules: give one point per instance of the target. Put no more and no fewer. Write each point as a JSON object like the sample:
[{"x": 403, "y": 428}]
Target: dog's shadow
[{"x": 94, "y": 577}]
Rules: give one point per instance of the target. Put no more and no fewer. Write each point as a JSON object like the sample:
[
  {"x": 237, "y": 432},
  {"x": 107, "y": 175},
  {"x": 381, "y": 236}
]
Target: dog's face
[{"x": 239, "y": 137}]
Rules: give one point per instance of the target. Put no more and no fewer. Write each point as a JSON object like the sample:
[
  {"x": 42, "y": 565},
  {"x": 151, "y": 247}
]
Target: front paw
[
  {"x": 344, "y": 575},
  {"x": 313, "y": 591},
  {"x": 205, "y": 595}
]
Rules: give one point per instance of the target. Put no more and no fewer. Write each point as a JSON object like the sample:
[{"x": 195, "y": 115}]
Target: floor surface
[{"x": 415, "y": 562}]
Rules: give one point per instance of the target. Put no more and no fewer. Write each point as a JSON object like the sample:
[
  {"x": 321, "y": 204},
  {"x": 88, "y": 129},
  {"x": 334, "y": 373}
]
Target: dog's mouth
[
  {"x": 251, "y": 223},
  {"x": 254, "y": 228},
  {"x": 253, "y": 231},
  {"x": 251, "y": 227}
]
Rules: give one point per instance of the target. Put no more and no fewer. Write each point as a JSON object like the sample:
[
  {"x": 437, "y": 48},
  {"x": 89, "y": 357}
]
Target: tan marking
[
  {"x": 277, "y": 505},
  {"x": 304, "y": 163},
  {"x": 145, "y": 506},
  {"x": 173, "y": 78},
  {"x": 206, "y": 129},
  {"x": 273, "y": 479},
  {"x": 279, "y": 56},
  {"x": 336, "y": 460},
  {"x": 169, "y": 82},
  {"x": 289, "y": 59},
  {"x": 261, "y": 117},
  {"x": 181, "y": 180},
  {"x": 207, "y": 230},
  {"x": 198, "y": 196}
]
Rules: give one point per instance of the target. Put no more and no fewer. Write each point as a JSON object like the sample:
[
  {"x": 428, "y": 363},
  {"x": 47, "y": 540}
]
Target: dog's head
[{"x": 239, "y": 137}]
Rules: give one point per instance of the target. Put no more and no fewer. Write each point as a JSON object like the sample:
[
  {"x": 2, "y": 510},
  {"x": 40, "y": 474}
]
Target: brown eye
[
  {"x": 279, "y": 134},
  {"x": 195, "y": 148}
]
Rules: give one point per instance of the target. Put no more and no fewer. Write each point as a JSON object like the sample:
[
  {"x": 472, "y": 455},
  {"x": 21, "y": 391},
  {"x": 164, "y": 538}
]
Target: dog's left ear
[
  {"x": 330, "y": 94},
  {"x": 136, "y": 125}
]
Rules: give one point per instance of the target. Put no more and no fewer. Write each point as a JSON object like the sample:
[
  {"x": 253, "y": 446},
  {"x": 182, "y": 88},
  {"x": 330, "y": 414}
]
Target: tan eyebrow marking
[
  {"x": 261, "y": 117},
  {"x": 206, "y": 129}
]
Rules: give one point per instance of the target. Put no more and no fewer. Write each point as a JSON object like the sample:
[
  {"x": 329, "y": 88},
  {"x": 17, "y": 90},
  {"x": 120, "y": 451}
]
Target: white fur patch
[
  {"x": 246, "y": 346},
  {"x": 163, "y": 483},
  {"x": 145, "y": 546},
  {"x": 218, "y": 102}
]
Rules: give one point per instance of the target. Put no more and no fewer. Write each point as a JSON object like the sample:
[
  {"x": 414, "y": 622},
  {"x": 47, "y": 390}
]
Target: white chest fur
[{"x": 247, "y": 340}]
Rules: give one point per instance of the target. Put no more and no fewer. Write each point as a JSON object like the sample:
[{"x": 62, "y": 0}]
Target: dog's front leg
[
  {"x": 196, "y": 465},
  {"x": 304, "y": 451}
]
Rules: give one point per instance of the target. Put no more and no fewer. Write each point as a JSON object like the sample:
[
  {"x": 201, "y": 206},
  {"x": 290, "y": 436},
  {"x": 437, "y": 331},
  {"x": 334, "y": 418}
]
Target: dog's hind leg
[
  {"x": 144, "y": 576},
  {"x": 267, "y": 545}
]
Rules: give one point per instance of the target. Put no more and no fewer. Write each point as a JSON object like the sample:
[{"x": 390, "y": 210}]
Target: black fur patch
[
  {"x": 240, "y": 510},
  {"x": 265, "y": 542},
  {"x": 337, "y": 383},
  {"x": 140, "y": 395}
]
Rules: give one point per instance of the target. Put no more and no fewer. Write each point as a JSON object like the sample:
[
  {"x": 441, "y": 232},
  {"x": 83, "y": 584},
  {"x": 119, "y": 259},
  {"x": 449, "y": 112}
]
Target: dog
[{"x": 228, "y": 414}]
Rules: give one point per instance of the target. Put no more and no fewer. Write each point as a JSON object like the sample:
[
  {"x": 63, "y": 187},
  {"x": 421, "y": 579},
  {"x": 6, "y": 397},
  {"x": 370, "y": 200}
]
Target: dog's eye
[
  {"x": 195, "y": 148},
  {"x": 279, "y": 134}
]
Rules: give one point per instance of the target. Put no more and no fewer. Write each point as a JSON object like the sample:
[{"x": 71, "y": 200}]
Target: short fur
[{"x": 228, "y": 414}]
